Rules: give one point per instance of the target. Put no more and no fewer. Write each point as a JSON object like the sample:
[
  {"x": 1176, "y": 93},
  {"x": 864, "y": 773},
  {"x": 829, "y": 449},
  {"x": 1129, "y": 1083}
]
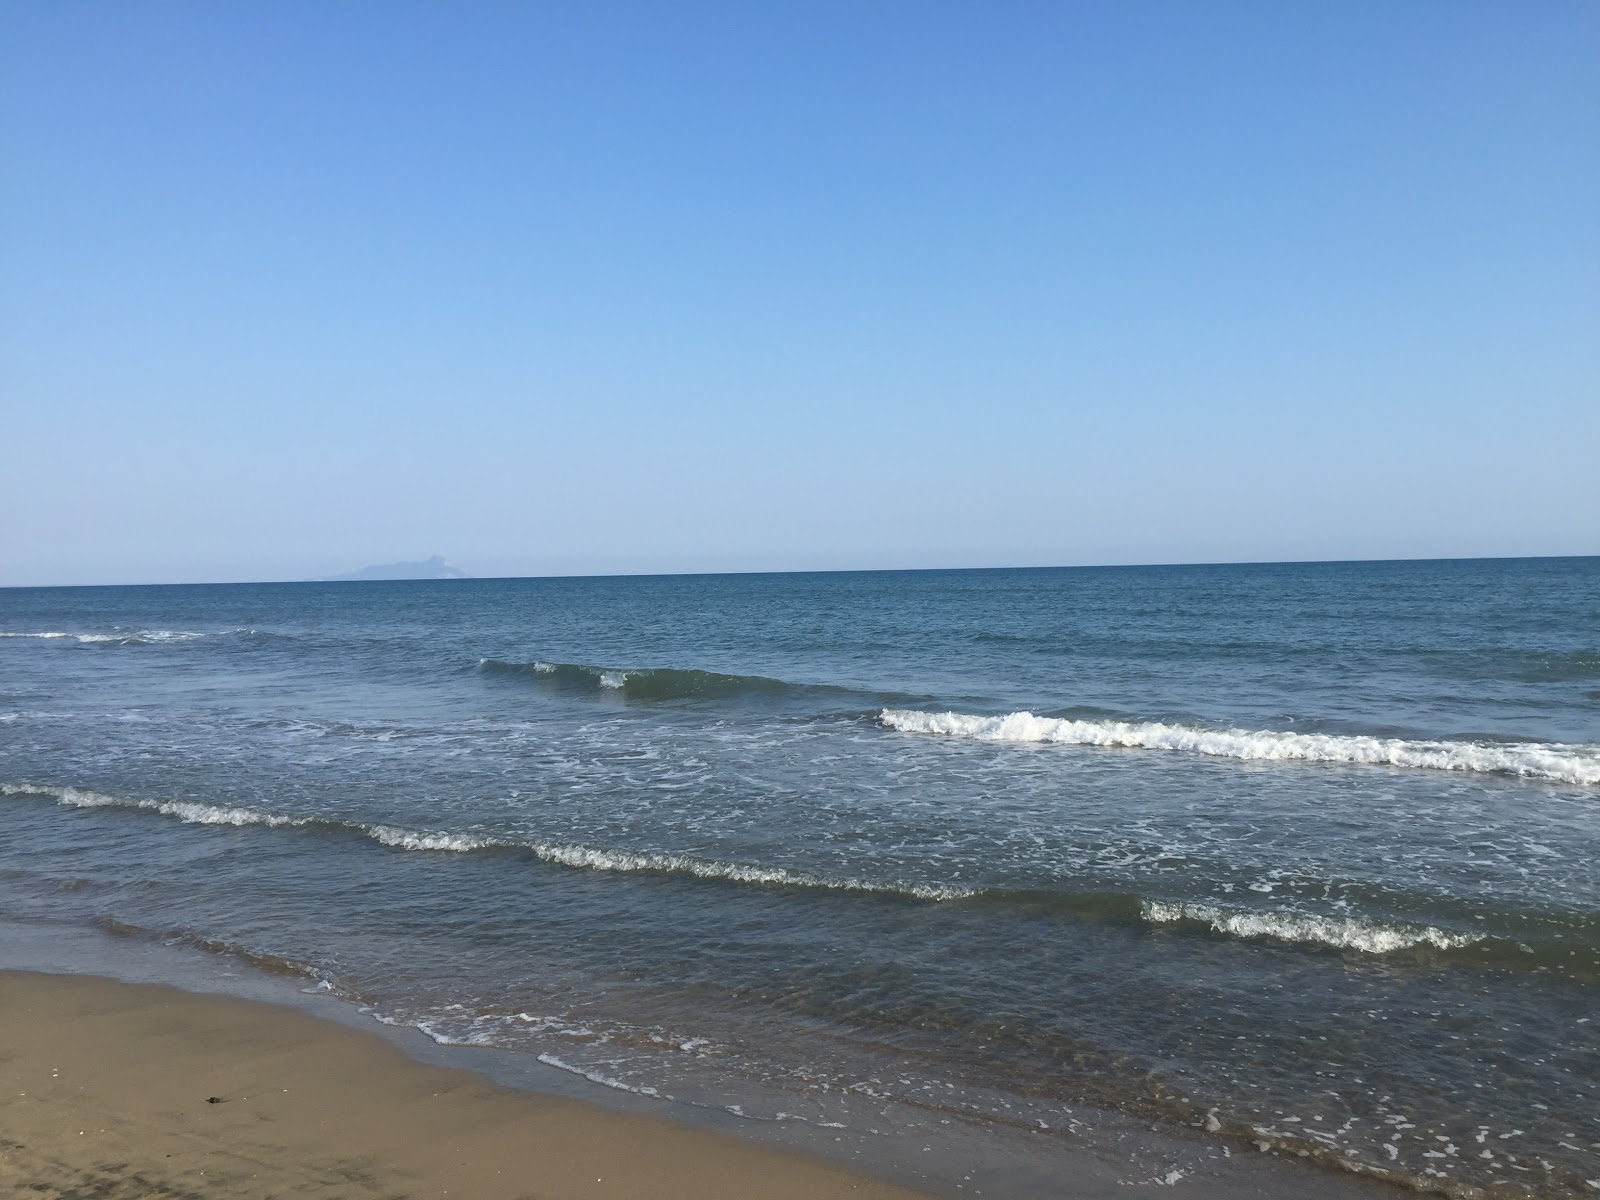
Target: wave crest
[
  {"x": 645, "y": 683},
  {"x": 138, "y": 637},
  {"x": 593, "y": 858},
  {"x": 598, "y": 858},
  {"x": 1368, "y": 935},
  {"x": 1561, "y": 763},
  {"x": 1345, "y": 933},
  {"x": 189, "y": 811}
]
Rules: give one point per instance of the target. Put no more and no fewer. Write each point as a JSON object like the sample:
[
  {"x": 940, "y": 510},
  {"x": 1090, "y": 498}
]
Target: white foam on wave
[
  {"x": 410, "y": 839},
  {"x": 550, "y": 1060},
  {"x": 1345, "y": 933},
  {"x": 1562, "y": 763},
  {"x": 595, "y": 858},
  {"x": 127, "y": 638},
  {"x": 187, "y": 811},
  {"x": 591, "y": 858},
  {"x": 608, "y": 677},
  {"x": 627, "y": 860}
]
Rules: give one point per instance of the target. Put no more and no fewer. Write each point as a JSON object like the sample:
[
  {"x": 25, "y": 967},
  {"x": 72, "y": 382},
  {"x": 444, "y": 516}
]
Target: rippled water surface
[{"x": 1304, "y": 855}]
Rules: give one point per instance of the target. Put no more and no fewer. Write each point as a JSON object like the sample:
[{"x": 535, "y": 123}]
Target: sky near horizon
[{"x": 571, "y": 288}]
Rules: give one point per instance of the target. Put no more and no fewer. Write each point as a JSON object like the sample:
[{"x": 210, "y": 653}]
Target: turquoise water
[{"x": 1305, "y": 856}]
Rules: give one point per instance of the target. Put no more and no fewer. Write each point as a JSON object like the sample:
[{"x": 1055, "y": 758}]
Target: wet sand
[{"x": 119, "y": 1091}]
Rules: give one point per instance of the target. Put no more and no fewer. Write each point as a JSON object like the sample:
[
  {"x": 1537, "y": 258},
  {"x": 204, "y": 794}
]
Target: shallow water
[{"x": 1302, "y": 854}]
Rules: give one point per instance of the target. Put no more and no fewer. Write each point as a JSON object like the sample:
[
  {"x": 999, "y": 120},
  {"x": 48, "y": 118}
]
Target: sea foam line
[
  {"x": 137, "y": 637},
  {"x": 1372, "y": 937},
  {"x": 550, "y": 1060},
  {"x": 1345, "y": 933},
  {"x": 591, "y": 858},
  {"x": 594, "y": 858},
  {"x": 1562, "y": 763},
  {"x": 187, "y": 811}
]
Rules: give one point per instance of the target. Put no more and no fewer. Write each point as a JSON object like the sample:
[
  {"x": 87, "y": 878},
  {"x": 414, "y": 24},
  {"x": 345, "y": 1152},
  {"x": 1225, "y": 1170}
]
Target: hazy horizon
[{"x": 469, "y": 576}]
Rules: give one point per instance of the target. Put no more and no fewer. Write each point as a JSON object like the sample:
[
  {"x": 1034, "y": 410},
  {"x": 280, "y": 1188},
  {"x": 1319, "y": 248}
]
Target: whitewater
[
  {"x": 1564, "y": 764},
  {"x": 1304, "y": 856}
]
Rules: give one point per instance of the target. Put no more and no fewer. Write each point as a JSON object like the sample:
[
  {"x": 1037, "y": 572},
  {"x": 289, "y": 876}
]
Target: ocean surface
[{"x": 1301, "y": 858}]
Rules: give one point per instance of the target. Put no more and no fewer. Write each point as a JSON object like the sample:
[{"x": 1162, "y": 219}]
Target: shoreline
[
  {"x": 131, "y": 1089},
  {"x": 951, "y": 1161}
]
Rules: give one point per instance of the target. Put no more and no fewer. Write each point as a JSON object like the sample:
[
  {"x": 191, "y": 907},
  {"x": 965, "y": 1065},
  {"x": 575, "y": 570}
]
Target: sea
[{"x": 1293, "y": 861}]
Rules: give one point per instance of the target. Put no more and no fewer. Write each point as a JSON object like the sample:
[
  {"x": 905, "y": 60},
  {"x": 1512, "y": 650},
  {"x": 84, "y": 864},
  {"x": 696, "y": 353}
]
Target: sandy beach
[{"x": 117, "y": 1090}]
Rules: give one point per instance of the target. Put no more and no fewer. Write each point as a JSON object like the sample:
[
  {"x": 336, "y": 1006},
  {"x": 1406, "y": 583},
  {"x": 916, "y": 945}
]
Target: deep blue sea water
[{"x": 1306, "y": 856}]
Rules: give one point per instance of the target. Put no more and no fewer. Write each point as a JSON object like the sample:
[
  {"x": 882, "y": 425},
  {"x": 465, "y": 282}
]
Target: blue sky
[{"x": 600, "y": 287}]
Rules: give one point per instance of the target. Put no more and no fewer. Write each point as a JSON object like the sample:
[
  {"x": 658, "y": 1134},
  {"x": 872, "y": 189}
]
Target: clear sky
[{"x": 288, "y": 288}]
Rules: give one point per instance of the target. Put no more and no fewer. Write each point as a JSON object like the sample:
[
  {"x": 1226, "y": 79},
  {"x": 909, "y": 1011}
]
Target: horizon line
[{"x": 1284, "y": 562}]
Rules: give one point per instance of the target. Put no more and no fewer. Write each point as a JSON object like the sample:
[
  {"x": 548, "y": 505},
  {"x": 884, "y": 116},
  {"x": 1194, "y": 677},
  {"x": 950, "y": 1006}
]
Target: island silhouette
[{"x": 432, "y": 568}]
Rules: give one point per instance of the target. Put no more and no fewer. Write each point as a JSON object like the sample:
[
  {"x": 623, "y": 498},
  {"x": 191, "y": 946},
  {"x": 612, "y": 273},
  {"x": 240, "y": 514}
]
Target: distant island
[{"x": 433, "y": 568}]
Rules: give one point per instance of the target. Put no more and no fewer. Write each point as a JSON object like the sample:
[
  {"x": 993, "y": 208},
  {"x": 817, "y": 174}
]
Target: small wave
[
  {"x": 261, "y": 960},
  {"x": 185, "y": 810},
  {"x": 646, "y": 683},
  {"x": 1561, "y": 763},
  {"x": 550, "y": 1060},
  {"x": 411, "y": 839},
  {"x": 1494, "y": 947},
  {"x": 136, "y": 637},
  {"x": 1345, "y": 933},
  {"x": 60, "y": 635},
  {"x": 592, "y": 858}
]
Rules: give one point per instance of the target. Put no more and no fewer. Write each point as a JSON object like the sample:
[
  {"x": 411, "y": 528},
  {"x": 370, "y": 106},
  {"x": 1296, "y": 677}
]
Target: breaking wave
[
  {"x": 593, "y": 858},
  {"x": 185, "y": 810},
  {"x": 1561, "y": 763},
  {"x": 1345, "y": 933},
  {"x": 646, "y": 683},
  {"x": 1495, "y": 946},
  {"x": 135, "y": 637}
]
